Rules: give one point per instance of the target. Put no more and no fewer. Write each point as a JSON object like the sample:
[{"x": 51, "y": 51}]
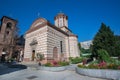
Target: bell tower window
[
  {"x": 9, "y": 25},
  {"x": 61, "y": 20}
]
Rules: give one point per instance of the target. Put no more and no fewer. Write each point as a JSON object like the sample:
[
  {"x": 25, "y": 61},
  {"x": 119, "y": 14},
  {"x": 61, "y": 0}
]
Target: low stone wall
[
  {"x": 54, "y": 69},
  {"x": 100, "y": 73}
]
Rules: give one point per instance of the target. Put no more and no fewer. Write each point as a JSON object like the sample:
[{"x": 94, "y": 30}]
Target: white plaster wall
[
  {"x": 41, "y": 36},
  {"x": 56, "y": 22},
  {"x": 67, "y": 47},
  {"x": 60, "y": 21},
  {"x": 53, "y": 40},
  {"x": 73, "y": 45},
  {"x": 66, "y": 22}
]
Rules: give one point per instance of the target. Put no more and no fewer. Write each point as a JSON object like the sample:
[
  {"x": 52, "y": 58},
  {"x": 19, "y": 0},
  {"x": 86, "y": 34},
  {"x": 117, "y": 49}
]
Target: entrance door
[
  {"x": 33, "y": 55},
  {"x": 55, "y": 53}
]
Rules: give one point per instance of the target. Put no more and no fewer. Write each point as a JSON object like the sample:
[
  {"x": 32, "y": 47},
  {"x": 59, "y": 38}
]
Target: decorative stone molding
[{"x": 34, "y": 42}]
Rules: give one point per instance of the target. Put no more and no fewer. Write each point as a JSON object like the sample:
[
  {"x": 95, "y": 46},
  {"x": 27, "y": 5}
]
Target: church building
[{"x": 54, "y": 42}]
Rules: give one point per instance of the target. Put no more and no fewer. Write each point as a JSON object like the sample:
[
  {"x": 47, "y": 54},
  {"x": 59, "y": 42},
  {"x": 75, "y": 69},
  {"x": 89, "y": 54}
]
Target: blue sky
[{"x": 84, "y": 16}]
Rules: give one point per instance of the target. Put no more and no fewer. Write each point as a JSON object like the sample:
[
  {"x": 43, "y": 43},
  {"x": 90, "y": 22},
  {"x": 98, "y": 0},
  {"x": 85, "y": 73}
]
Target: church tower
[
  {"x": 7, "y": 33},
  {"x": 7, "y": 29},
  {"x": 61, "y": 20}
]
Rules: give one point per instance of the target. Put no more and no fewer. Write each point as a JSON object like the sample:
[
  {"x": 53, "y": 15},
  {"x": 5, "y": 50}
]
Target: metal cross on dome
[{"x": 38, "y": 14}]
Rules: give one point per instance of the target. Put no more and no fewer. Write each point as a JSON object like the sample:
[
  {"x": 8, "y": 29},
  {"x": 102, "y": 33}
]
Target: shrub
[
  {"x": 63, "y": 63},
  {"x": 93, "y": 66},
  {"x": 101, "y": 65},
  {"x": 70, "y": 58},
  {"x": 56, "y": 64},
  {"x": 48, "y": 64},
  {"x": 112, "y": 66},
  {"x": 40, "y": 56},
  {"x": 82, "y": 66},
  {"x": 94, "y": 62},
  {"x": 117, "y": 62},
  {"x": 76, "y": 60},
  {"x": 103, "y": 55}
]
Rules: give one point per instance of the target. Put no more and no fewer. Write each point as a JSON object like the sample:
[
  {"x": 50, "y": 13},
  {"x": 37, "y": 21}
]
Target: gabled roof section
[
  {"x": 65, "y": 28},
  {"x": 57, "y": 28},
  {"x": 71, "y": 34}
]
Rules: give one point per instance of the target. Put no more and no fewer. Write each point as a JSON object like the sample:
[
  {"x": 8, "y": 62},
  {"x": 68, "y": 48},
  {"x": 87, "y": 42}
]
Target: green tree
[
  {"x": 85, "y": 50},
  {"x": 103, "y": 55},
  {"x": 104, "y": 39},
  {"x": 79, "y": 45},
  {"x": 117, "y": 46}
]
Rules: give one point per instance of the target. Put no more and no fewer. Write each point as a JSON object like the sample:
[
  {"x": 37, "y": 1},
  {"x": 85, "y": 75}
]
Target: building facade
[
  {"x": 10, "y": 43},
  {"x": 7, "y": 31},
  {"x": 55, "y": 42}
]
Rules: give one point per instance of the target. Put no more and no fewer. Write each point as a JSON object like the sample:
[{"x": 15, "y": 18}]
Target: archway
[
  {"x": 33, "y": 55},
  {"x": 55, "y": 53}
]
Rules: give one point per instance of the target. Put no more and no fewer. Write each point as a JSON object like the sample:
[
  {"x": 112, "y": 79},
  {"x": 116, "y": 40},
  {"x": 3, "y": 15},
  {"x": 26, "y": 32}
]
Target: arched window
[
  {"x": 9, "y": 25},
  {"x": 55, "y": 53},
  {"x": 33, "y": 55}
]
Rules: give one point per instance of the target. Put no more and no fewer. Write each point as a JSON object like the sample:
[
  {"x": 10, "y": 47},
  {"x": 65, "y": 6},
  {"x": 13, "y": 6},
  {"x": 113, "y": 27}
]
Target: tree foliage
[
  {"x": 103, "y": 55},
  {"x": 85, "y": 50},
  {"x": 117, "y": 46},
  {"x": 104, "y": 39},
  {"x": 79, "y": 45}
]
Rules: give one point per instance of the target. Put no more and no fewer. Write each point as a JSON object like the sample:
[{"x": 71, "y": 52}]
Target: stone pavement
[
  {"x": 32, "y": 73},
  {"x": 6, "y": 68}
]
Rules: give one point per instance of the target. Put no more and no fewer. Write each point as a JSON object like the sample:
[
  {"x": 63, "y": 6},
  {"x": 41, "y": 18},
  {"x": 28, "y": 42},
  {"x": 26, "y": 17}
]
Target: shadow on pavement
[{"x": 6, "y": 68}]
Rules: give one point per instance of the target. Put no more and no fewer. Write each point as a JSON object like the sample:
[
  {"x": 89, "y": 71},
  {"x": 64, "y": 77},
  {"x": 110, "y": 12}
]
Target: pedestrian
[{"x": 39, "y": 63}]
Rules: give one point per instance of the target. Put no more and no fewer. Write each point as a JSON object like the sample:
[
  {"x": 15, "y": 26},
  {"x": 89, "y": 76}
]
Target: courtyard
[{"x": 34, "y": 72}]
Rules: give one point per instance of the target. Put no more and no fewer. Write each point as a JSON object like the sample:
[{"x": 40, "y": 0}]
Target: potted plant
[{"x": 40, "y": 57}]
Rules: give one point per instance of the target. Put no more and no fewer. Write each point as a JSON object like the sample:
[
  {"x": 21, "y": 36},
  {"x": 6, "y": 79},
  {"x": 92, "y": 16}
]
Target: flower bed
[
  {"x": 100, "y": 69},
  {"x": 103, "y": 67},
  {"x": 100, "y": 73},
  {"x": 55, "y": 66}
]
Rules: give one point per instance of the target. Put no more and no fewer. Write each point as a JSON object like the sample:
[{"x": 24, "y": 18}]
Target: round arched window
[{"x": 9, "y": 25}]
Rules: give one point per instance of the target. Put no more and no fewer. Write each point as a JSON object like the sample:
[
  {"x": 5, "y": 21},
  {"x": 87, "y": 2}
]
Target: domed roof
[
  {"x": 38, "y": 22},
  {"x": 61, "y": 15}
]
